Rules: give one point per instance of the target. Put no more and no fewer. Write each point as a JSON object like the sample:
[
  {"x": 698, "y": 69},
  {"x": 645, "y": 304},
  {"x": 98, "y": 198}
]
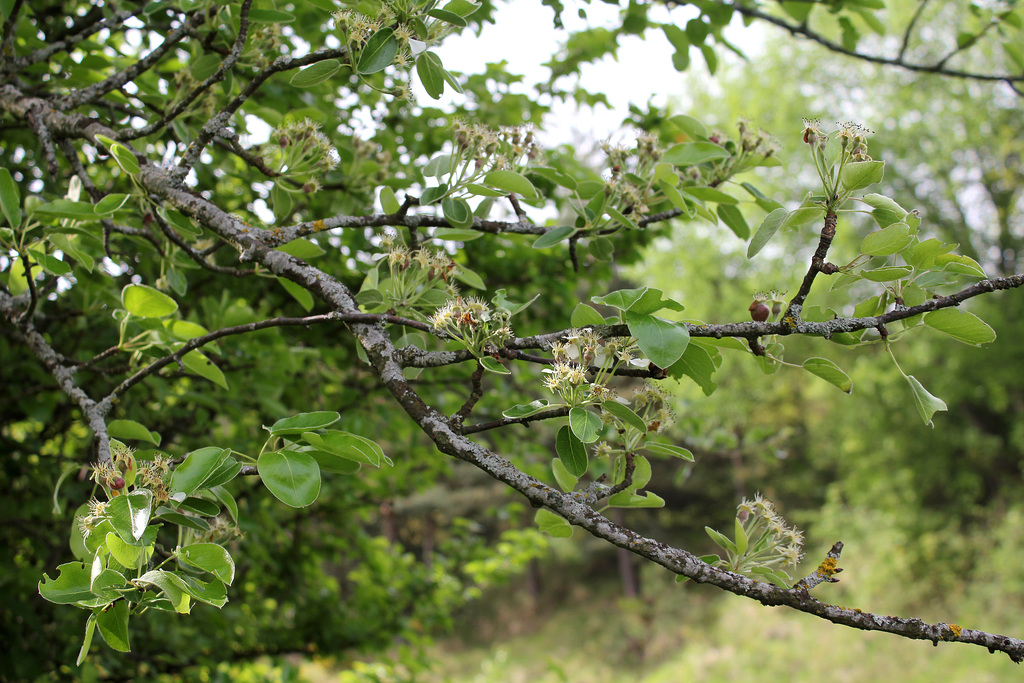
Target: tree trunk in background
[{"x": 627, "y": 563}]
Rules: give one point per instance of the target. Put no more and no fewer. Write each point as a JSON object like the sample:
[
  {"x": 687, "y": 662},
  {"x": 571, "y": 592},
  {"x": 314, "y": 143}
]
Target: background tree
[{"x": 130, "y": 190}]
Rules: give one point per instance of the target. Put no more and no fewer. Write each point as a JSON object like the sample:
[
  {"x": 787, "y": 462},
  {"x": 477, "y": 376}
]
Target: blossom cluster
[
  {"x": 474, "y": 323},
  {"x": 772, "y": 542}
]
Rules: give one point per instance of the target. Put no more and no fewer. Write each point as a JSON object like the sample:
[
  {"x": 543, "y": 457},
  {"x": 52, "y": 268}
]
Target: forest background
[{"x": 384, "y": 562}]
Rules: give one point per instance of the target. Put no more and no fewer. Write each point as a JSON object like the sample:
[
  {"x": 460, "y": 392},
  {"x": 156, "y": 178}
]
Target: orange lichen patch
[
  {"x": 828, "y": 566},
  {"x": 955, "y": 630},
  {"x": 319, "y": 225}
]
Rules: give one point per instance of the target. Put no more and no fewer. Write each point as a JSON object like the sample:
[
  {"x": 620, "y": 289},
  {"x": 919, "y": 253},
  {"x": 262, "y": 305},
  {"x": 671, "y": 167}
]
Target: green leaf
[
  {"x": 212, "y": 558},
  {"x": 298, "y": 292},
  {"x": 65, "y": 208},
  {"x": 457, "y": 212},
  {"x": 525, "y": 410},
  {"x": 90, "y": 629},
  {"x": 553, "y": 236},
  {"x": 889, "y": 240},
  {"x": 511, "y": 182},
  {"x": 741, "y": 537},
  {"x": 565, "y": 481},
  {"x": 378, "y": 53},
  {"x": 698, "y": 364},
  {"x": 125, "y": 159},
  {"x": 552, "y": 525},
  {"x": 184, "y": 330},
  {"x": 315, "y": 74},
  {"x": 628, "y": 499},
  {"x": 500, "y": 301},
  {"x": 640, "y": 301},
  {"x": 733, "y": 217},
  {"x": 484, "y": 191},
  {"x": 303, "y": 422},
  {"x": 585, "y": 424},
  {"x": 669, "y": 449},
  {"x": 769, "y": 226},
  {"x": 830, "y": 372},
  {"x": 432, "y": 194},
  {"x": 709, "y": 194},
  {"x": 859, "y": 174},
  {"x": 689, "y": 125},
  {"x": 585, "y": 316},
  {"x": 491, "y": 364},
  {"x": 956, "y": 263},
  {"x": 692, "y": 153},
  {"x": 130, "y": 513},
  {"x": 722, "y": 541},
  {"x": 10, "y": 199},
  {"x": 303, "y": 249},
  {"x": 172, "y": 586},
  {"x": 446, "y": 16},
  {"x": 224, "y": 473},
  {"x": 146, "y": 302},
  {"x": 887, "y": 273},
  {"x": 625, "y": 414},
  {"x": 293, "y": 478},
  {"x": 388, "y": 200},
  {"x": 456, "y": 235},
  {"x": 961, "y": 325},
  {"x": 113, "y": 626},
  {"x": 197, "y": 467},
  {"x": 661, "y": 341},
  {"x": 469, "y": 277},
  {"x": 73, "y": 583},
  {"x": 345, "y": 445},
  {"x": 130, "y": 555},
  {"x": 130, "y": 429},
  {"x": 198, "y": 363},
  {"x": 165, "y": 514},
  {"x": 571, "y": 452},
  {"x": 431, "y": 73},
  {"x": 927, "y": 405},
  {"x": 760, "y": 199},
  {"x": 439, "y": 165}
]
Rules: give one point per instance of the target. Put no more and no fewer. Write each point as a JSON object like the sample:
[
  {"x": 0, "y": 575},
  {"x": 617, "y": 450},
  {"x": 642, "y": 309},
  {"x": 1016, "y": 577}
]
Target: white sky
[{"x": 525, "y": 37}]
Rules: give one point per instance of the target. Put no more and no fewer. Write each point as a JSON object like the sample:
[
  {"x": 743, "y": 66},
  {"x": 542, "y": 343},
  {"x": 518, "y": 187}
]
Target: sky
[{"x": 524, "y": 36}]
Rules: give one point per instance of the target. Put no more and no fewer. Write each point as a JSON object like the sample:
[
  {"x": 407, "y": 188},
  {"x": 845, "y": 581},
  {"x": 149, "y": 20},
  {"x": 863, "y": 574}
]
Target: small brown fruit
[{"x": 759, "y": 311}]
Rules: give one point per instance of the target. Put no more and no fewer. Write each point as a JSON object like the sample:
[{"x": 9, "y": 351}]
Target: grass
[{"x": 694, "y": 633}]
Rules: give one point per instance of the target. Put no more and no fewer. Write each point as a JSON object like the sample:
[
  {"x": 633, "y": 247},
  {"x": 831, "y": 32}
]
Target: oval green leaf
[
  {"x": 303, "y": 422},
  {"x": 212, "y": 558},
  {"x": 553, "y": 236},
  {"x": 691, "y": 153},
  {"x": 552, "y": 524},
  {"x": 669, "y": 449},
  {"x": 511, "y": 182},
  {"x": 662, "y": 342},
  {"x": 625, "y": 414},
  {"x": 146, "y": 302},
  {"x": 585, "y": 424},
  {"x": 886, "y": 241},
  {"x": 293, "y": 478},
  {"x": 769, "y": 226},
  {"x": 315, "y": 74},
  {"x": 431, "y": 73},
  {"x": 378, "y": 53},
  {"x": 961, "y": 325},
  {"x": 571, "y": 452},
  {"x": 859, "y": 174},
  {"x": 830, "y": 372},
  {"x": 197, "y": 467}
]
